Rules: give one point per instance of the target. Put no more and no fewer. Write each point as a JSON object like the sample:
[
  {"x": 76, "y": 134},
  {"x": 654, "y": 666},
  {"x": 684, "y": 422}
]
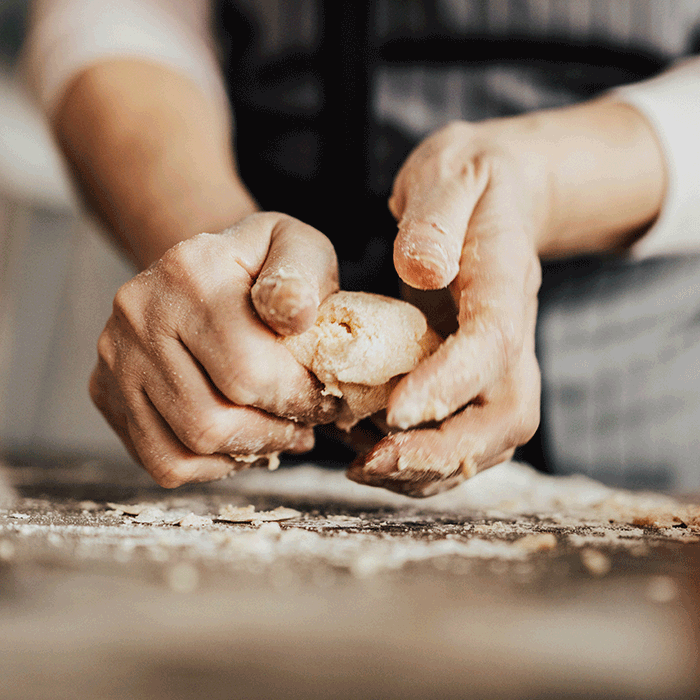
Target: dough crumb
[
  {"x": 195, "y": 522},
  {"x": 133, "y": 508},
  {"x": 271, "y": 460},
  {"x": 248, "y": 514},
  {"x": 150, "y": 516}
]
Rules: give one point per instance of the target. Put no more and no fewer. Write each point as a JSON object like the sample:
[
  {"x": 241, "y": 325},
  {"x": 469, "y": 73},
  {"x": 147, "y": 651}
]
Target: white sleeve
[
  {"x": 671, "y": 103},
  {"x": 66, "y": 36}
]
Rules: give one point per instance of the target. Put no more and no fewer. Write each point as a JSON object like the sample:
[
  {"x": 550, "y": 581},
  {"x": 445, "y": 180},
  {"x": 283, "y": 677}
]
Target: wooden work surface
[{"x": 467, "y": 595}]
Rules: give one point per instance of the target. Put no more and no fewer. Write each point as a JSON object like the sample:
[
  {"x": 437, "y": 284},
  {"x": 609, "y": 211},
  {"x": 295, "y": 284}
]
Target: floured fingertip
[
  {"x": 413, "y": 403},
  {"x": 379, "y": 461},
  {"x": 423, "y": 262},
  {"x": 285, "y": 301}
]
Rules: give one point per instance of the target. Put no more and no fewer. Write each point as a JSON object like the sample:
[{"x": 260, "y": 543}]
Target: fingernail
[
  {"x": 356, "y": 473},
  {"x": 378, "y": 462}
]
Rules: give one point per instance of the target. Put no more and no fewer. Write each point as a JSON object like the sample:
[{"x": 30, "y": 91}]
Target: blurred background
[{"x": 58, "y": 276}]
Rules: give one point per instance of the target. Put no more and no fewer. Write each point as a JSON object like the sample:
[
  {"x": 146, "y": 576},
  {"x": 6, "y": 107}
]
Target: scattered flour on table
[
  {"x": 196, "y": 522},
  {"x": 248, "y": 514},
  {"x": 510, "y": 513}
]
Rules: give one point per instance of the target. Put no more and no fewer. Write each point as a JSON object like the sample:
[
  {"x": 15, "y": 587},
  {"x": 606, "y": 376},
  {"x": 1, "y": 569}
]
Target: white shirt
[{"x": 66, "y": 36}]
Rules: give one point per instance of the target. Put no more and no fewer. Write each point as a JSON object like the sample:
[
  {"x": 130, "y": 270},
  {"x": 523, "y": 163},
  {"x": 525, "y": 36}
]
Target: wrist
[
  {"x": 155, "y": 171},
  {"x": 595, "y": 174},
  {"x": 178, "y": 207}
]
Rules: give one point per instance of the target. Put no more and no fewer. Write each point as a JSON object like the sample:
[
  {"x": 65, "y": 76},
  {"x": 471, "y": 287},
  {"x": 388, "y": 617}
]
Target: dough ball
[{"x": 360, "y": 346}]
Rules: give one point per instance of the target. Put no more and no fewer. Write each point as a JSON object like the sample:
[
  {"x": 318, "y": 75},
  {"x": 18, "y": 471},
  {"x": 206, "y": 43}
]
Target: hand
[
  {"x": 468, "y": 218},
  {"x": 189, "y": 373}
]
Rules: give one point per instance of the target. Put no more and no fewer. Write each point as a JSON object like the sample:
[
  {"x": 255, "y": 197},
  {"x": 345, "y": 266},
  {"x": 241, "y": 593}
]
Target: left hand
[{"x": 468, "y": 217}]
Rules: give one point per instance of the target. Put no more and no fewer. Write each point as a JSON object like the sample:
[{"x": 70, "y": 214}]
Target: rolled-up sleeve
[
  {"x": 671, "y": 103},
  {"x": 67, "y": 36}
]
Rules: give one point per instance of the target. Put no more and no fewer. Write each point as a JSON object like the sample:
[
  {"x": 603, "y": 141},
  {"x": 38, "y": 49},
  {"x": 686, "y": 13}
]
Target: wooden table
[{"x": 360, "y": 596}]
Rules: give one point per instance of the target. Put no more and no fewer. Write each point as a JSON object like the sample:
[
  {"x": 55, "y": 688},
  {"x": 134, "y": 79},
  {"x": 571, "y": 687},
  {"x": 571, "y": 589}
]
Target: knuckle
[
  {"x": 96, "y": 388},
  {"x": 528, "y": 426},
  {"x": 270, "y": 219},
  {"x": 267, "y": 219},
  {"x": 477, "y": 170},
  {"x": 247, "y": 379},
  {"x": 106, "y": 348},
  {"x": 457, "y": 127},
  {"x": 127, "y": 304},
  {"x": 393, "y": 202},
  {"x": 179, "y": 256},
  {"x": 262, "y": 221},
  {"x": 173, "y": 475},
  {"x": 206, "y": 436},
  {"x": 195, "y": 271},
  {"x": 182, "y": 266},
  {"x": 240, "y": 394},
  {"x": 448, "y": 133},
  {"x": 526, "y": 416},
  {"x": 320, "y": 240}
]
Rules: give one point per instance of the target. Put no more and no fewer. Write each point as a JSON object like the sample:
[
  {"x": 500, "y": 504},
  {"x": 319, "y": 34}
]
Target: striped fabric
[
  {"x": 619, "y": 345},
  {"x": 619, "y": 342},
  {"x": 420, "y": 99},
  {"x": 661, "y": 25}
]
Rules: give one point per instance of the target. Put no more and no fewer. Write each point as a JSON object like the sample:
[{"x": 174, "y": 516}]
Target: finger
[
  {"x": 103, "y": 396},
  {"x": 433, "y": 223},
  {"x": 425, "y": 461},
  {"x": 497, "y": 285},
  {"x": 205, "y": 421},
  {"x": 222, "y": 331},
  {"x": 299, "y": 272},
  {"x": 165, "y": 458},
  {"x": 248, "y": 431},
  {"x": 467, "y": 364},
  {"x": 242, "y": 358}
]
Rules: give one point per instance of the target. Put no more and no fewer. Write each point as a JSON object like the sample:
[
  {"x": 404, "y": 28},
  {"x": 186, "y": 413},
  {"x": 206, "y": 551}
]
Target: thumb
[
  {"x": 433, "y": 218},
  {"x": 299, "y": 272}
]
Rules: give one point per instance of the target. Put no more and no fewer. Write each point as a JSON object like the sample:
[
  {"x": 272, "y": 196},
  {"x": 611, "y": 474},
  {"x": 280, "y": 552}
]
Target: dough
[
  {"x": 248, "y": 514},
  {"x": 359, "y": 348}
]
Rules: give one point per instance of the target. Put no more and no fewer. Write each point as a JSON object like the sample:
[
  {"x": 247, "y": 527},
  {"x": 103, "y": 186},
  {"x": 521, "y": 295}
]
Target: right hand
[
  {"x": 468, "y": 218},
  {"x": 189, "y": 374}
]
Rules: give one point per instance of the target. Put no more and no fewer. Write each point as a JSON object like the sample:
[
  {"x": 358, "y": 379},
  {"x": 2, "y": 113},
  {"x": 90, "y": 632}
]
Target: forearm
[
  {"x": 597, "y": 171},
  {"x": 151, "y": 155}
]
